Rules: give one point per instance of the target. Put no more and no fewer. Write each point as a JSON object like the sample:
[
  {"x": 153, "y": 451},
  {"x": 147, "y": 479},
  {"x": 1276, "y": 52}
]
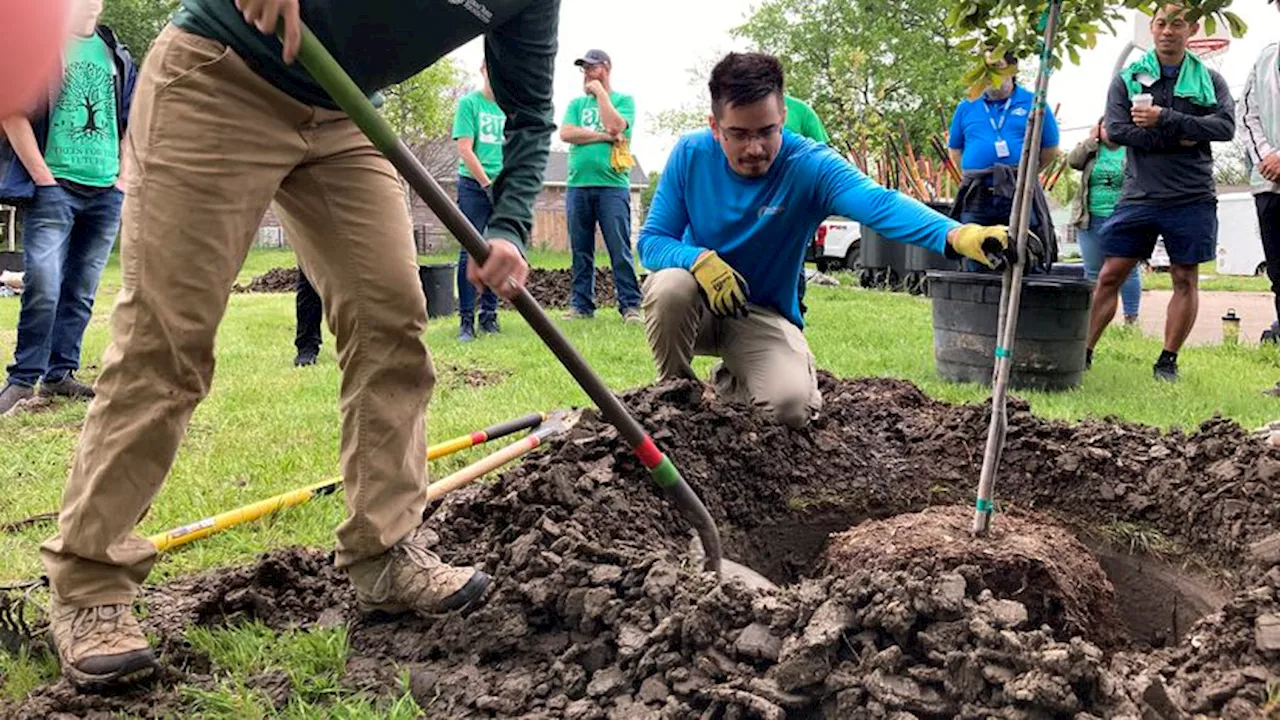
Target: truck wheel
[{"x": 853, "y": 257}]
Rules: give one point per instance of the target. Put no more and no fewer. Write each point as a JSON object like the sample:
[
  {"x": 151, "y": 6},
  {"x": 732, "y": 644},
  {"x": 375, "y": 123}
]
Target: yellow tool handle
[{"x": 210, "y": 525}]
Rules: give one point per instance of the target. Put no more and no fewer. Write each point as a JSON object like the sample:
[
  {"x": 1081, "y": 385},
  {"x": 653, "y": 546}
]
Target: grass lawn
[
  {"x": 1209, "y": 280},
  {"x": 267, "y": 427}
]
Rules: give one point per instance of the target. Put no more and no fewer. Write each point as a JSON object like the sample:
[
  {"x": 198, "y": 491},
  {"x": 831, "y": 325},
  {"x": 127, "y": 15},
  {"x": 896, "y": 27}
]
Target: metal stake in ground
[
  {"x": 1011, "y": 287},
  {"x": 335, "y": 81}
]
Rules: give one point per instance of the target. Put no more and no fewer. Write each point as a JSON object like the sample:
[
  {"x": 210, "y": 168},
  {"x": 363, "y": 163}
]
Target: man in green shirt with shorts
[
  {"x": 597, "y": 125},
  {"x": 224, "y": 122},
  {"x": 477, "y": 129}
]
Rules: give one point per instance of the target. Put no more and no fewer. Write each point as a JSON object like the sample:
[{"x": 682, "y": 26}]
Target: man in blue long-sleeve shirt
[{"x": 726, "y": 236}]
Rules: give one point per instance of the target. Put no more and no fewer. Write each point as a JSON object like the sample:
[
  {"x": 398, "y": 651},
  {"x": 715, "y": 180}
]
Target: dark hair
[{"x": 743, "y": 79}]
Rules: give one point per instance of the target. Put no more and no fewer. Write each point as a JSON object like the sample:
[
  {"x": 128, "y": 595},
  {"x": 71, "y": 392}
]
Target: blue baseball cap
[{"x": 594, "y": 57}]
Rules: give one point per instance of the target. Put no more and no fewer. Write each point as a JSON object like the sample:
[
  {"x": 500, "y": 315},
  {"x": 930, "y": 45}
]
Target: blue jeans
[
  {"x": 611, "y": 208},
  {"x": 1091, "y": 250},
  {"x": 474, "y": 202},
  {"x": 66, "y": 239}
]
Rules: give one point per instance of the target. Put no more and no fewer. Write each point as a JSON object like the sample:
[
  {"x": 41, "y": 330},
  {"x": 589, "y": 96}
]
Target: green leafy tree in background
[
  {"x": 865, "y": 66},
  {"x": 990, "y": 28},
  {"x": 138, "y": 22},
  {"x": 421, "y": 109}
]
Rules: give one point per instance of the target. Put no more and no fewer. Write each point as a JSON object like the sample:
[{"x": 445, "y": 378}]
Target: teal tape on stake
[
  {"x": 1002, "y": 352},
  {"x": 983, "y": 505}
]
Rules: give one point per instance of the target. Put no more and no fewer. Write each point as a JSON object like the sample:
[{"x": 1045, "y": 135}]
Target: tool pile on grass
[{"x": 597, "y": 612}]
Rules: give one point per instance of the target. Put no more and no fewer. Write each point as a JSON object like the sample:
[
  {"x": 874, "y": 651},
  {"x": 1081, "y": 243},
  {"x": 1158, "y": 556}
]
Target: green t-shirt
[
  {"x": 802, "y": 120},
  {"x": 480, "y": 119},
  {"x": 1106, "y": 181},
  {"x": 84, "y": 132},
  {"x": 589, "y": 165}
]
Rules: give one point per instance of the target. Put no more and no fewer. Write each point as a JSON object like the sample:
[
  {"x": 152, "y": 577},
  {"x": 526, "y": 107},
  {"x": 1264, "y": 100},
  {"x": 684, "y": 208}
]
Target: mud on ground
[
  {"x": 551, "y": 288},
  {"x": 597, "y": 610}
]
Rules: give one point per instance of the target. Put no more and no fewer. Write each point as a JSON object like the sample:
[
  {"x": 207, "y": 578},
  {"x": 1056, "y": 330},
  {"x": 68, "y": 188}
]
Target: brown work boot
[
  {"x": 99, "y": 647},
  {"x": 409, "y": 577}
]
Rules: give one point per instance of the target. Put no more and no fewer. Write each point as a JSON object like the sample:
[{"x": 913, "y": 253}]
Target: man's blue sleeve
[
  {"x": 844, "y": 190},
  {"x": 660, "y": 242},
  {"x": 956, "y": 136},
  {"x": 1049, "y": 136}
]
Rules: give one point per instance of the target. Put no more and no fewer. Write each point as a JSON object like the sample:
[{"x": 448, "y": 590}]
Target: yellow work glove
[
  {"x": 725, "y": 289},
  {"x": 620, "y": 156},
  {"x": 988, "y": 245}
]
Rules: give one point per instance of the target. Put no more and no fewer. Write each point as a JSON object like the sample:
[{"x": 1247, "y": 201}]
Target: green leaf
[{"x": 1237, "y": 24}]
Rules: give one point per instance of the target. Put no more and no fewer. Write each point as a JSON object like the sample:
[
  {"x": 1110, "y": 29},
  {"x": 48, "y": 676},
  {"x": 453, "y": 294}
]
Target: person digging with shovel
[
  {"x": 726, "y": 236},
  {"x": 223, "y": 123}
]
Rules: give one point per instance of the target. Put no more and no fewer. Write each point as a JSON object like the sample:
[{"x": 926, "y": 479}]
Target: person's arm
[
  {"x": 575, "y": 135},
  {"x": 521, "y": 55},
  {"x": 123, "y": 176},
  {"x": 1048, "y": 139},
  {"x": 1079, "y": 155},
  {"x": 611, "y": 117},
  {"x": 1119, "y": 120},
  {"x": 467, "y": 152},
  {"x": 955, "y": 138},
  {"x": 1218, "y": 127},
  {"x": 1251, "y": 129},
  {"x": 843, "y": 190},
  {"x": 23, "y": 140},
  {"x": 661, "y": 243}
]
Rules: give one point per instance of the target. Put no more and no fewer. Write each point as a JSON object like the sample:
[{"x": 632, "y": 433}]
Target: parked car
[{"x": 835, "y": 245}]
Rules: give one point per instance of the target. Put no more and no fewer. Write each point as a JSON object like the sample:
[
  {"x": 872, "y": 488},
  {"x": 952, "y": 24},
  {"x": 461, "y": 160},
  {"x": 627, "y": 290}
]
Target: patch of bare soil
[{"x": 597, "y": 610}]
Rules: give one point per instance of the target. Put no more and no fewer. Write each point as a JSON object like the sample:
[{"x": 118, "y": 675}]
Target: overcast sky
[{"x": 658, "y": 41}]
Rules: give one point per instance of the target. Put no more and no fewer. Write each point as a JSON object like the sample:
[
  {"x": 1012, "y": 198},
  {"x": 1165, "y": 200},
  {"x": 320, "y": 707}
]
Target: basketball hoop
[{"x": 1207, "y": 47}]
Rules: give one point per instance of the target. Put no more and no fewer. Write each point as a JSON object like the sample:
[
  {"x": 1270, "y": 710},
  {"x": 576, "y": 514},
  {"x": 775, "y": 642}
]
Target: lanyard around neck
[{"x": 1004, "y": 113}]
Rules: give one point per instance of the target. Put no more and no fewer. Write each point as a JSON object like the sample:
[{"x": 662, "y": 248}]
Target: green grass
[
  {"x": 1210, "y": 280},
  {"x": 313, "y": 662},
  {"x": 267, "y": 427}
]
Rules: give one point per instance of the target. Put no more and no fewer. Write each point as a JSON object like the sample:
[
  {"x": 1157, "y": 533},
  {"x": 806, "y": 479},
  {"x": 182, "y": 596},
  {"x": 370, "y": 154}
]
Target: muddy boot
[
  {"x": 409, "y": 577},
  {"x": 100, "y": 647},
  {"x": 466, "y": 328},
  {"x": 12, "y": 395},
  {"x": 68, "y": 387}
]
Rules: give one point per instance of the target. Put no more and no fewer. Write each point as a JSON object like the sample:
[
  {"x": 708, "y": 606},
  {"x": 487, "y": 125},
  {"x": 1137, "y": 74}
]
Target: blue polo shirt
[{"x": 972, "y": 132}]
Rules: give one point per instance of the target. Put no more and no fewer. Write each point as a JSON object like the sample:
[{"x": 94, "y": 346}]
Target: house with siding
[{"x": 550, "y": 223}]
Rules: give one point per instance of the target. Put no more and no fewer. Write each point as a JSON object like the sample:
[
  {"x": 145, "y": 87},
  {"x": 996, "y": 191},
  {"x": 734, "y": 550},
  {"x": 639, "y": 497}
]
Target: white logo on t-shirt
[
  {"x": 591, "y": 118},
  {"x": 1019, "y": 111},
  {"x": 491, "y": 127},
  {"x": 768, "y": 210}
]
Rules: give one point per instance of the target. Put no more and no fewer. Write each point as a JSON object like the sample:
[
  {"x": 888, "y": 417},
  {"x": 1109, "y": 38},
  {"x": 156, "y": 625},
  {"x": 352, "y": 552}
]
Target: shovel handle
[{"x": 322, "y": 66}]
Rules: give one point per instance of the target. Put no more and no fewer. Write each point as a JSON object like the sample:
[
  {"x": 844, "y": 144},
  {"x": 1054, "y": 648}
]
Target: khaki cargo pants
[
  {"x": 765, "y": 360},
  {"x": 212, "y": 144}
]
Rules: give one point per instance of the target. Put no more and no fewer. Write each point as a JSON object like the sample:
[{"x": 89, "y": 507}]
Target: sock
[{"x": 1167, "y": 358}]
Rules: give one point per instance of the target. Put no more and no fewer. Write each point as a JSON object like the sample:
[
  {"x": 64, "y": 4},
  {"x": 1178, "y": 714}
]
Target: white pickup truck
[{"x": 835, "y": 245}]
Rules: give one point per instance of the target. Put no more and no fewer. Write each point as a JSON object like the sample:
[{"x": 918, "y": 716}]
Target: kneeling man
[{"x": 726, "y": 235}]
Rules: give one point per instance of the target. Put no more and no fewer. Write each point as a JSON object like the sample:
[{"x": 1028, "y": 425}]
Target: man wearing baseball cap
[{"x": 598, "y": 127}]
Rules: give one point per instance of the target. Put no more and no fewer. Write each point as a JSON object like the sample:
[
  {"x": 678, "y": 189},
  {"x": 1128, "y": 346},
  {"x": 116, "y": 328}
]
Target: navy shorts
[{"x": 1190, "y": 232}]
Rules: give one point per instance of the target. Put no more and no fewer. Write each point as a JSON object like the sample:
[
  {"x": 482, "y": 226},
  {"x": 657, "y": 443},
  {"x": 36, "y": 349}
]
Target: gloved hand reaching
[
  {"x": 988, "y": 245},
  {"x": 725, "y": 289}
]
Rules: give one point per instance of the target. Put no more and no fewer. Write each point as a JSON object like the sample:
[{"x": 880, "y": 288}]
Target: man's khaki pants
[
  {"x": 765, "y": 360},
  {"x": 212, "y": 144}
]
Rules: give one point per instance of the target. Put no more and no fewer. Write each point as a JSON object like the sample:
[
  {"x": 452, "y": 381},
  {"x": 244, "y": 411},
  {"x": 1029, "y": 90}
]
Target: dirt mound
[
  {"x": 554, "y": 288},
  {"x": 1054, "y": 576},
  {"x": 275, "y": 280},
  {"x": 597, "y": 610}
]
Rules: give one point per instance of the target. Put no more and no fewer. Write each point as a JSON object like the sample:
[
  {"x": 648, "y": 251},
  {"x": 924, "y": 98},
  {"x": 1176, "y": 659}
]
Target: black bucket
[
  {"x": 438, "y": 288},
  {"x": 11, "y": 261},
  {"x": 882, "y": 260},
  {"x": 1053, "y": 328}
]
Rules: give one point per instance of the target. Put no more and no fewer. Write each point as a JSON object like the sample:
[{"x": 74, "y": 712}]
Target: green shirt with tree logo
[
  {"x": 84, "y": 133},
  {"x": 480, "y": 119},
  {"x": 590, "y": 164}
]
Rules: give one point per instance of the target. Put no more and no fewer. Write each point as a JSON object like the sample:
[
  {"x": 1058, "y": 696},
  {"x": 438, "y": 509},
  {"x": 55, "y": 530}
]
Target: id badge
[{"x": 1002, "y": 148}]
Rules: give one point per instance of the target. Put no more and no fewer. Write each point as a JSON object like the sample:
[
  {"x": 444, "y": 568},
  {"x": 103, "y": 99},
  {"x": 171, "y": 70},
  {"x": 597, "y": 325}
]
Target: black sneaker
[
  {"x": 1271, "y": 334},
  {"x": 306, "y": 358},
  {"x": 67, "y": 387},
  {"x": 12, "y": 394},
  {"x": 1166, "y": 370},
  {"x": 466, "y": 328},
  {"x": 489, "y": 324}
]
